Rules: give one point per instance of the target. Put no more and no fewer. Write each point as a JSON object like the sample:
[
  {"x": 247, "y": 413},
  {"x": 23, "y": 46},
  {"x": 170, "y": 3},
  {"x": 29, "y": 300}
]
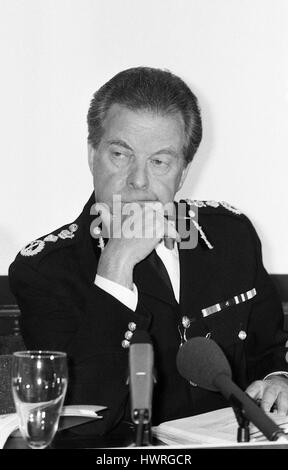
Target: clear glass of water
[{"x": 39, "y": 384}]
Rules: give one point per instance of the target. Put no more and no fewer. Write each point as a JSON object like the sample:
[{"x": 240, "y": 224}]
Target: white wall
[{"x": 56, "y": 53}]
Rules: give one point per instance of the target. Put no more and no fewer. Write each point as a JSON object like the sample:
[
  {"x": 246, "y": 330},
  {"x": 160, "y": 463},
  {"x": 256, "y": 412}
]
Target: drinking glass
[{"x": 39, "y": 384}]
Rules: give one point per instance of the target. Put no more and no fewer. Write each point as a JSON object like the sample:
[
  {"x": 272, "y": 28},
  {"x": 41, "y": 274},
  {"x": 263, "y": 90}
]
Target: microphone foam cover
[
  {"x": 201, "y": 360},
  {"x": 140, "y": 337}
]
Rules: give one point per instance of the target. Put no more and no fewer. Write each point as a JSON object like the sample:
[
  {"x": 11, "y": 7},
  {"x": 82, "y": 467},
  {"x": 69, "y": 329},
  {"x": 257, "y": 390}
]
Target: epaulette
[
  {"x": 35, "y": 247},
  {"x": 213, "y": 204},
  {"x": 224, "y": 207}
]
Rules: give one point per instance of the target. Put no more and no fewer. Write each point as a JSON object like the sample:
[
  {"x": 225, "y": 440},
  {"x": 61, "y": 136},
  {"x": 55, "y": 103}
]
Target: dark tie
[{"x": 158, "y": 264}]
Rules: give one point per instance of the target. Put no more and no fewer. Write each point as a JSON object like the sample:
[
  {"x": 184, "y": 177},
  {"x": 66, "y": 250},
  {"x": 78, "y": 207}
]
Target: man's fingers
[
  {"x": 282, "y": 403},
  {"x": 270, "y": 393},
  {"x": 143, "y": 221},
  {"x": 157, "y": 225},
  {"x": 269, "y": 397},
  {"x": 255, "y": 390},
  {"x": 169, "y": 243},
  {"x": 171, "y": 232}
]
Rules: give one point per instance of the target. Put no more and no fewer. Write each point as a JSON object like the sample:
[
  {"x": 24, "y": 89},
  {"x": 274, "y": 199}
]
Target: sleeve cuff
[
  {"x": 282, "y": 373},
  {"x": 123, "y": 294}
]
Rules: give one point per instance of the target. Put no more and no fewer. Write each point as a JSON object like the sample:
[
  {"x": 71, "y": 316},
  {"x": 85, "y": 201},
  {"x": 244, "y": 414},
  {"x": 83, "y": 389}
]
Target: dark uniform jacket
[{"x": 62, "y": 309}]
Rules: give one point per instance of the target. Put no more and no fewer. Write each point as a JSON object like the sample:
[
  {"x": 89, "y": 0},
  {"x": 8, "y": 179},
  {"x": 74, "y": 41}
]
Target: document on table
[
  {"x": 9, "y": 422},
  {"x": 217, "y": 428}
]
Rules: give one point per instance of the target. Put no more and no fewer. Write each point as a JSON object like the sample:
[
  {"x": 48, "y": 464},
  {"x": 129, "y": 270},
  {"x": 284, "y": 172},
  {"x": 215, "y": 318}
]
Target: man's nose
[{"x": 138, "y": 178}]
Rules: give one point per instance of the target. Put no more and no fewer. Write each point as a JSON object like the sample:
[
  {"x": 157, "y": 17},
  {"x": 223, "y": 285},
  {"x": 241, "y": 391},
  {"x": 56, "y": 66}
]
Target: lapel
[
  {"x": 88, "y": 253},
  {"x": 195, "y": 278}
]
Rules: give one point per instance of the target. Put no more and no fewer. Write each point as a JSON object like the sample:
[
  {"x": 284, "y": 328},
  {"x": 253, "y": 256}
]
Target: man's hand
[
  {"x": 140, "y": 234},
  {"x": 273, "y": 392}
]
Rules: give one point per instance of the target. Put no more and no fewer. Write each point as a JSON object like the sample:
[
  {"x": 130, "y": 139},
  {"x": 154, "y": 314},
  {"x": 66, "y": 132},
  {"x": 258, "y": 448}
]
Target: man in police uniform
[{"x": 81, "y": 293}]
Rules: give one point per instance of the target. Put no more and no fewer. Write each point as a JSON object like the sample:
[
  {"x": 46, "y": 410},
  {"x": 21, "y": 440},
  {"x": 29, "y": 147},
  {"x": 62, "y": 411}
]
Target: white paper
[
  {"x": 217, "y": 427},
  {"x": 82, "y": 410},
  {"x": 9, "y": 422}
]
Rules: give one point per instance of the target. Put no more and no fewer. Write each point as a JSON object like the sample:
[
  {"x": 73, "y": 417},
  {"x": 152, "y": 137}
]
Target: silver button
[
  {"x": 128, "y": 335},
  {"x": 242, "y": 335},
  {"x": 286, "y": 344},
  {"x": 193, "y": 384},
  {"x": 286, "y": 357},
  {"x": 73, "y": 227},
  {"x": 132, "y": 326},
  {"x": 125, "y": 344},
  {"x": 186, "y": 322}
]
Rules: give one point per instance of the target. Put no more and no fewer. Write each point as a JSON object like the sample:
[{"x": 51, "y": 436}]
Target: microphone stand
[
  {"x": 243, "y": 432},
  {"x": 143, "y": 428}
]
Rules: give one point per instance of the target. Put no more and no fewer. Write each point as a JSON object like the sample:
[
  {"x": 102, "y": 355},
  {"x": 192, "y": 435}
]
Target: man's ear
[
  {"x": 91, "y": 155},
  {"x": 183, "y": 176}
]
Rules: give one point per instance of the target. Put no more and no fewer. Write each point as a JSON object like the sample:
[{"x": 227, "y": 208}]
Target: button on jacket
[{"x": 225, "y": 294}]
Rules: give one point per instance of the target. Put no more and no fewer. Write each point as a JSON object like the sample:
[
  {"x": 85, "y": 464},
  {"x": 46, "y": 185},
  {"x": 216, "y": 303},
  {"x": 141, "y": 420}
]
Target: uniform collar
[{"x": 86, "y": 248}]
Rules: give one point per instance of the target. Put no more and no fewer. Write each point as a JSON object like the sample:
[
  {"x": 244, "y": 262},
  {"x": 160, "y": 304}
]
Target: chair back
[{"x": 6, "y": 397}]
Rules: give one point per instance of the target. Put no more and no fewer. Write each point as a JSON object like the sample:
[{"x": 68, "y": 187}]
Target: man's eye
[
  {"x": 158, "y": 162},
  {"x": 118, "y": 154},
  {"x": 119, "y": 158},
  {"x": 159, "y": 167}
]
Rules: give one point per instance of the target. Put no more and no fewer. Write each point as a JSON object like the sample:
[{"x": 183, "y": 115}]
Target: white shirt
[{"x": 129, "y": 297}]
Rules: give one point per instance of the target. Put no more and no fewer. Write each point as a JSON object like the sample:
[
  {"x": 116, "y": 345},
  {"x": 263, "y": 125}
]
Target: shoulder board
[
  {"x": 64, "y": 234},
  {"x": 208, "y": 207},
  {"x": 213, "y": 205}
]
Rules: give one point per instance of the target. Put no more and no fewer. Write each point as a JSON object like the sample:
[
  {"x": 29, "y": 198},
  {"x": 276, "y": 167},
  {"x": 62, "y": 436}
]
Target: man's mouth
[{"x": 140, "y": 201}]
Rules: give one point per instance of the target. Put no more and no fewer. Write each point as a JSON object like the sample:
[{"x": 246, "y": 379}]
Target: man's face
[{"x": 140, "y": 157}]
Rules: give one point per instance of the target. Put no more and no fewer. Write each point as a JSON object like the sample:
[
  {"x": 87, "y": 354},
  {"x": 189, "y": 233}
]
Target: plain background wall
[{"x": 56, "y": 53}]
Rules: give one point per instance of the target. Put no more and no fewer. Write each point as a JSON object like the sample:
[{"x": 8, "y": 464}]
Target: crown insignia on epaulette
[{"x": 37, "y": 246}]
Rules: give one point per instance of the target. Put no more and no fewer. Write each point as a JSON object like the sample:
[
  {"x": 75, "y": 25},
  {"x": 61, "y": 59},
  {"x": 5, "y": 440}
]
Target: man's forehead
[{"x": 123, "y": 123}]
